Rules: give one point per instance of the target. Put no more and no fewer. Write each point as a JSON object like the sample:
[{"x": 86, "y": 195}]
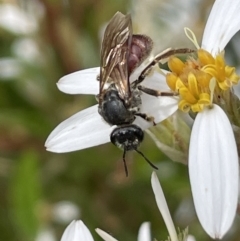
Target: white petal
[
  {"x": 105, "y": 236},
  {"x": 213, "y": 170},
  {"x": 77, "y": 231},
  {"x": 157, "y": 81},
  {"x": 163, "y": 208},
  {"x": 85, "y": 81},
  {"x": 80, "y": 82},
  {"x": 222, "y": 24},
  {"x": 144, "y": 233},
  {"x": 159, "y": 107},
  {"x": 82, "y": 130}
]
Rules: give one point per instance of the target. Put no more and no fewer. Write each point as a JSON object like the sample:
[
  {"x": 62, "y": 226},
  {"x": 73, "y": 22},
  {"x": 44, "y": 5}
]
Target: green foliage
[{"x": 25, "y": 195}]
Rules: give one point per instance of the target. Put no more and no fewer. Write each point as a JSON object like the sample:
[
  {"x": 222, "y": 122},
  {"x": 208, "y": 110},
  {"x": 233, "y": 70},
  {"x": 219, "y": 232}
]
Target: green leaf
[{"x": 25, "y": 195}]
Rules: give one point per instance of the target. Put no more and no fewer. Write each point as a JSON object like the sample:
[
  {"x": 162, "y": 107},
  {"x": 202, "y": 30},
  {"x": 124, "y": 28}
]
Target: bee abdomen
[{"x": 140, "y": 48}]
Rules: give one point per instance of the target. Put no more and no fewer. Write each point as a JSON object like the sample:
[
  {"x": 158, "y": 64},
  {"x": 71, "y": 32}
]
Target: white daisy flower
[
  {"x": 213, "y": 157},
  {"x": 77, "y": 231}
]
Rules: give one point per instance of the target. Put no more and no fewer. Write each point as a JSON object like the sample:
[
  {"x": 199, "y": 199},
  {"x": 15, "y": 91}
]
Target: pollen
[{"x": 191, "y": 79}]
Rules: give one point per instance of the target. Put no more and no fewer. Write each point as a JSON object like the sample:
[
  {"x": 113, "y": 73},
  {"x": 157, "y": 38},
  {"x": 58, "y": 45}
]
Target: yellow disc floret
[{"x": 192, "y": 78}]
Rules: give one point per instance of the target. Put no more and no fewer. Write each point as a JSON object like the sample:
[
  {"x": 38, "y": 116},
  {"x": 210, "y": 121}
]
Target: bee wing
[{"x": 114, "y": 54}]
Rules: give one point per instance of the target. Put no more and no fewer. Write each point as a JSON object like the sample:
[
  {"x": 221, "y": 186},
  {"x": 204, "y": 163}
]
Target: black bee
[{"x": 119, "y": 100}]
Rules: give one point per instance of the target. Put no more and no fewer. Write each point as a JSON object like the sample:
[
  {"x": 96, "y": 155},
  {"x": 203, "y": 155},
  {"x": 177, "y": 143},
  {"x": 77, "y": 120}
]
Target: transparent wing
[{"x": 114, "y": 54}]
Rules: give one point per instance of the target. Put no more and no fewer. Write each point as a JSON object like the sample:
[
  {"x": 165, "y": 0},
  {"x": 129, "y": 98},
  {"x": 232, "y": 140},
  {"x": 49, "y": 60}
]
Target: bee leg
[
  {"x": 146, "y": 117},
  {"x": 156, "y": 92},
  {"x": 163, "y": 55}
]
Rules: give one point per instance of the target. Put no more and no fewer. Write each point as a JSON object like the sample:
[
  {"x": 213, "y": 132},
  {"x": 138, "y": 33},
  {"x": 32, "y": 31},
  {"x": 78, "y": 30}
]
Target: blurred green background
[{"x": 42, "y": 192}]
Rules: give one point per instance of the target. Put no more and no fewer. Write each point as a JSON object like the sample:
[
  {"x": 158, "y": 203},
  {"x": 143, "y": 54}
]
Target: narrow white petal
[
  {"x": 144, "y": 233},
  {"x": 163, "y": 208},
  {"x": 80, "y": 82},
  {"x": 214, "y": 171},
  {"x": 105, "y": 236},
  {"x": 76, "y": 231},
  {"x": 82, "y": 130},
  {"x": 222, "y": 24}
]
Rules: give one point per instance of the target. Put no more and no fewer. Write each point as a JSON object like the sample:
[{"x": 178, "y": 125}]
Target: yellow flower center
[{"x": 192, "y": 79}]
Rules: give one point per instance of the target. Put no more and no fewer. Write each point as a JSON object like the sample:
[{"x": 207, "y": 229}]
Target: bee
[{"x": 119, "y": 100}]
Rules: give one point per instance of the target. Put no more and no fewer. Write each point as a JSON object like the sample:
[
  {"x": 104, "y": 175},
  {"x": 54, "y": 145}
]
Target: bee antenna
[
  {"x": 150, "y": 163},
  {"x": 124, "y": 162}
]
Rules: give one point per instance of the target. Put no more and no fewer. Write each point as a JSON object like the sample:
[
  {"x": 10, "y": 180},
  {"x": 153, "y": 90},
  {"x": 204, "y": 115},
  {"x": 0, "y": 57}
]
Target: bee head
[{"x": 128, "y": 138}]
